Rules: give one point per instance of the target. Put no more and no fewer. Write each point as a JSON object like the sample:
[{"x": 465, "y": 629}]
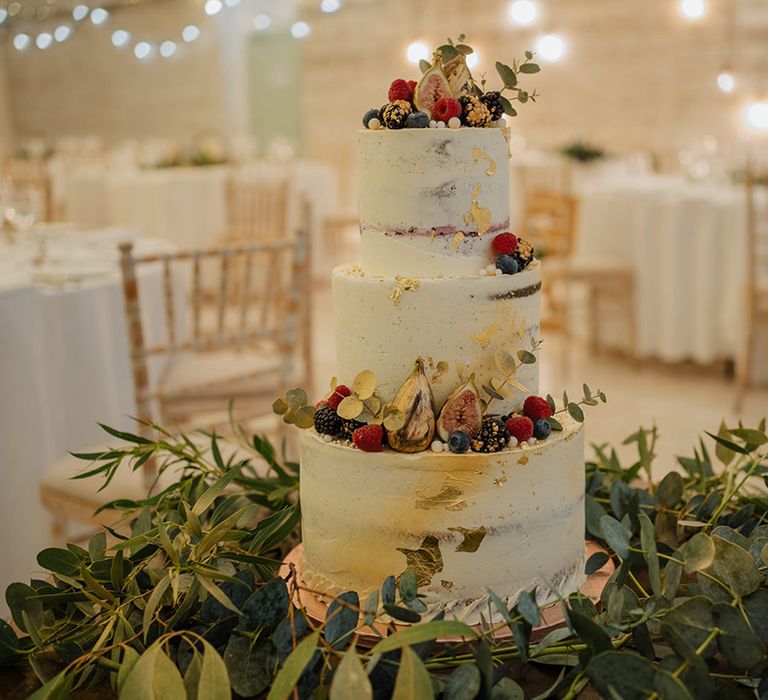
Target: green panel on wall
[{"x": 274, "y": 89}]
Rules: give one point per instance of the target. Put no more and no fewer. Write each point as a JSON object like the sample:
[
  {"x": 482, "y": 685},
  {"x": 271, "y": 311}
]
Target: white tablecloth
[
  {"x": 64, "y": 365},
  {"x": 687, "y": 246},
  {"x": 184, "y": 205}
]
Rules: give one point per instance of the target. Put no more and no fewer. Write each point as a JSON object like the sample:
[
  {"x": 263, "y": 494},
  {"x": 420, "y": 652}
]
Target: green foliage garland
[{"x": 186, "y": 603}]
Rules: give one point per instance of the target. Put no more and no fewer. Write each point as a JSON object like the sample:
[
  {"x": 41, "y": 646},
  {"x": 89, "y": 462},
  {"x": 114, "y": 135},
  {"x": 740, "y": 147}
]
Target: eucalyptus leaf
[
  {"x": 626, "y": 675},
  {"x": 413, "y": 681},
  {"x": 670, "y": 490},
  {"x": 693, "y": 619},
  {"x": 463, "y": 683},
  {"x": 341, "y": 619},
  {"x": 59, "y": 561},
  {"x": 526, "y": 606},
  {"x": 735, "y": 567},
  {"x": 294, "y": 665},
  {"x": 250, "y": 667},
  {"x": 424, "y": 632},
  {"x": 616, "y": 535},
  {"x": 736, "y": 641},
  {"x": 506, "y": 74},
  {"x": 153, "y": 677},
  {"x": 350, "y": 681}
]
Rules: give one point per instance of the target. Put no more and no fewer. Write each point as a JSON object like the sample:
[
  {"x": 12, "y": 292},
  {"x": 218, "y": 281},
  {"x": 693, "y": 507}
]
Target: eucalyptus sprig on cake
[{"x": 448, "y": 96}]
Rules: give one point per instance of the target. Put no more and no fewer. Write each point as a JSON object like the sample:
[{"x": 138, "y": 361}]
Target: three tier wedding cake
[{"x": 435, "y": 454}]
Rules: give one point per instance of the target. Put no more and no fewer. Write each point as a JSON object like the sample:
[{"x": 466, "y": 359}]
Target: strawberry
[
  {"x": 535, "y": 408},
  {"x": 520, "y": 427},
  {"x": 505, "y": 243},
  {"x": 369, "y": 438},
  {"x": 339, "y": 393}
]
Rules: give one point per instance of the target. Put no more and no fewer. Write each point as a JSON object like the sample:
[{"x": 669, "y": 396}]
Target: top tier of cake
[{"x": 431, "y": 200}]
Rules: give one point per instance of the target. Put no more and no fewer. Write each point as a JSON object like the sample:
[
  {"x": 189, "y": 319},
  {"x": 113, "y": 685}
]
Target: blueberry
[
  {"x": 458, "y": 441},
  {"x": 541, "y": 429},
  {"x": 417, "y": 120},
  {"x": 370, "y": 114},
  {"x": 507, "y": 264}
]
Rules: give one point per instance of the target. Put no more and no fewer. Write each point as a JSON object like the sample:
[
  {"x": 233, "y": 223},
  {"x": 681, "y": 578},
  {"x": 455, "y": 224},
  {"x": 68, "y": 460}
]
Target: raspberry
[
  {"x": 505, "y": 243},
  {"x": 521, "y": 428},
  {"x": 535, "y": 408},
  {"x": 338, "y": 395},
  {"x": 445, "y": 108},
  {"x": 369, "y": 438},
  {"x": 401, "y": 90}
]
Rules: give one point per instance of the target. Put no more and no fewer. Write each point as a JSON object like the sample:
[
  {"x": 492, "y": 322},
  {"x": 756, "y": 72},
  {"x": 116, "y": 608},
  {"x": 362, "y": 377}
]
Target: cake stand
[{"x": 316, "y": 604}]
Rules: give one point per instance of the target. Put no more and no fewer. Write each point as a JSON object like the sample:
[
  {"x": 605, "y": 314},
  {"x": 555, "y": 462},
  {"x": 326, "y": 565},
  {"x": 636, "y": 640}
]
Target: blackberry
[
  {"x": 493, "y": 435},
  {"x": 474, "y": 112},
  {"x": 395, "y": 114},
  {"x": 492, "y": 100},
  {"x": 348, "y": 426},
  {"x": 524, "y": 253},
  {"x": 327, "y": 422}
]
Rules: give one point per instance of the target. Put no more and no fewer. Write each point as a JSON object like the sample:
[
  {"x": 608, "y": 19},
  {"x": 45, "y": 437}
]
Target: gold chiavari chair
[
  {"x": 213, "y": 353},
  {"x": 258, "y": 204},
  {"x": 756, "y": 283}
]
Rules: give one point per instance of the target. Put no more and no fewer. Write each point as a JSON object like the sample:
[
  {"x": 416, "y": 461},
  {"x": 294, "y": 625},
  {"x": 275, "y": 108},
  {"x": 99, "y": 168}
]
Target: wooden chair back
[
  {"x": 258, "y": 205},
  {"x": 270, "y": 305},
  {"x": 549, "y": 208},
  {"x": 756, "y": 283}
]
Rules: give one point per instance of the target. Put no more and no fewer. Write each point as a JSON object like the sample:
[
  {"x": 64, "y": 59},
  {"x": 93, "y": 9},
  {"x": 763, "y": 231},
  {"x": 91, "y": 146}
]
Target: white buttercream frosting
[
  {"x": 384, "y": 323},
  {"x": 431, "y": 200},
  {"x": 509, "y": 521}
]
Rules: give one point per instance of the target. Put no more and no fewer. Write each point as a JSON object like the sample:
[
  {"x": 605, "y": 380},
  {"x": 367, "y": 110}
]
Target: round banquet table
[
  {"x": 686, "y": 243},
  {"x": 64, "y": 365},
  {"x": 185, "y": 205}
]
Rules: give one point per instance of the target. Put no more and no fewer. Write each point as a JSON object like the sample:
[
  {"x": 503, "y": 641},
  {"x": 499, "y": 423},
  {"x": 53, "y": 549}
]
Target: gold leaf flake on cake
[
  {"x": 480, "y": 216},
  {"x": 484, "y": 337},
  {"x": 402, "y": 285},
  {"x": 523, "y": 459},
  {"x": 501, "y": 480},
  {"x": 460, "y": 371},
  {"x": 450, "y": 498},
  {"x": 458, "y": 237},
  {"x": 480, "y": 154},
  {"x": 446, "y": 584},
  {"x": 440, "y": 370},
  {"x": 472, "y": 538},
  {"x": 425, "y": 562}
]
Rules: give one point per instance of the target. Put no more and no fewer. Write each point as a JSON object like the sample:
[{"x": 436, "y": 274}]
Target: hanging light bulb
[
  {"x": 262, "y": 22},
  {"x": 142, "y": 50},
  {"x": 417, "y": 51},
  {"x": 3, "y": 14},
  {"x": 168, "y": 48},
  {"x": 120, "y": 38},
  {"x": 190, "y": 33},
  {"x": 757, "y": 115},
  {"x": 80, "y": 12},
  {"x": 43, "y": 40},
  {"x": 522, "y": 12},
  {"x": 21, "y": 42},
  {"x": 212, "y": 7},
  {"x": 472, "y": 60},
  {"x": 99, "y": 15},
  {"x": 62, "y": 32},
  {"x": 329, "y": 6},
  {"x": 692, "y": 9},
  {"x": 725, "y": 81},
  {"x": 550, "y": 47},
  {"x": 299, "y": 30}
]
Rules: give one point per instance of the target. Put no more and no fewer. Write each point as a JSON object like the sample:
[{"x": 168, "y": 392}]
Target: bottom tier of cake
[{"x": 508, "y": 521}]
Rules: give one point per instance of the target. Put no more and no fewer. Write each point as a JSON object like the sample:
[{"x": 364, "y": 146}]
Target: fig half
[{"x": 461, "y": 411}]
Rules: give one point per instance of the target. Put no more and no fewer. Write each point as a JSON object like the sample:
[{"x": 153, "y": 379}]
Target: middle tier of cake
[{"x": 459, "y": 325}]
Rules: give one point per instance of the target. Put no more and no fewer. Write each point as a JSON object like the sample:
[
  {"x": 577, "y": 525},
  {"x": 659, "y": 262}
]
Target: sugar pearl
[
  {"x": 328, "y": 438},
  {"x": 432, "y": 124},
  {"x": 513, "y": 441},
  {"x": 491, "y": 269},
  {"x": 482, "y": 272},
  {"x": 500, "y": 123},
  {"x": 437, "y": 446},
  {"x": 374, "y": 123},
  {"x": 498, "y": 272},
  {"x": 441, "y": 125},
  {"x": 454, "y": 123}
]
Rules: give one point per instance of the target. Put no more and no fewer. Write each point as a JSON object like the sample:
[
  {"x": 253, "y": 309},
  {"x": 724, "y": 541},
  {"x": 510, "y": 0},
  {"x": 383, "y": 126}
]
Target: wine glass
[{"x": 21, "y": 212}]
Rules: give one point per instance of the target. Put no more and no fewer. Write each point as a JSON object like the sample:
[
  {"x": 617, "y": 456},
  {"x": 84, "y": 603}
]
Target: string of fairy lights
[
  {"x": 121, "y": 38},
  {"x": 550, "y": 46}
]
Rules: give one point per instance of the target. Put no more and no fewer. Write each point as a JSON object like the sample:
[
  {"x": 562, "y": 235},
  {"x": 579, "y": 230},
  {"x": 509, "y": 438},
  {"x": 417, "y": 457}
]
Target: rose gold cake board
[{"x": 552, "y": 617}]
